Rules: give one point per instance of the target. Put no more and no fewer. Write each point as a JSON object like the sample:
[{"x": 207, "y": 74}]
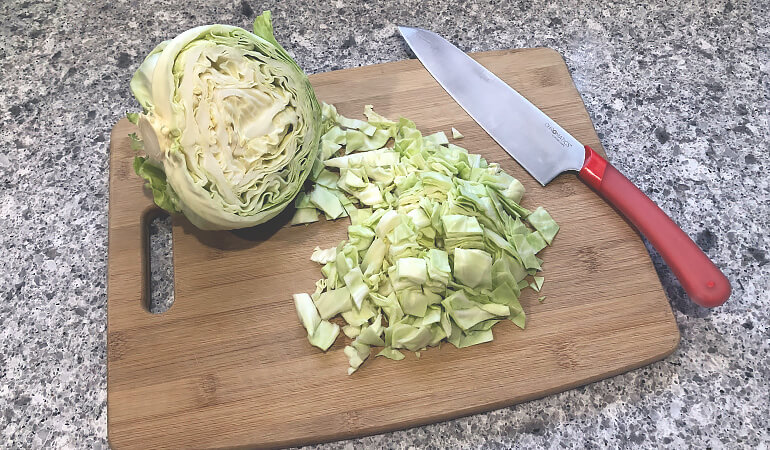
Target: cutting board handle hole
[{"x": 159, "y": 254}]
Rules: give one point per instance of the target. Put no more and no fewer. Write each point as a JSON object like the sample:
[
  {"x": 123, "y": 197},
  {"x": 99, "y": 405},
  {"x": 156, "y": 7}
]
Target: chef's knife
[{"x": 545, "y": 150}]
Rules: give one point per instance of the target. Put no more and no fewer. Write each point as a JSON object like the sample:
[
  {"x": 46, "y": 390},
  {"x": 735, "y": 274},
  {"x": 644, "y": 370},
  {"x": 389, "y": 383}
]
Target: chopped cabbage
[{"x": 439, "y": 248}]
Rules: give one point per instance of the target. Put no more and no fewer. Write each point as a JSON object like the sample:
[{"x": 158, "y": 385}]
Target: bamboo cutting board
[{"x": 229, "y": 364}]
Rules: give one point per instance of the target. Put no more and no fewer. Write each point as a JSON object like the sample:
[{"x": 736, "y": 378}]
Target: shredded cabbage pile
[{"x": 439, "y": 247}]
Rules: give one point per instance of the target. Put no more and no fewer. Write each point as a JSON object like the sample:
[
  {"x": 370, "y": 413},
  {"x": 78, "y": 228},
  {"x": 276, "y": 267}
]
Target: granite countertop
[{"x": 678, "y": 91}]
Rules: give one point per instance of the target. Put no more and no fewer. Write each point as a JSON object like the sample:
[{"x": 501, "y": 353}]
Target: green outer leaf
[
  {"x": 162, "y": 194},
  {"x": 133, "y": 118},
  {"x": 136, "y": 143},
  {"x": 141, "y": 82},
  {"x": 263, "y": 27}
]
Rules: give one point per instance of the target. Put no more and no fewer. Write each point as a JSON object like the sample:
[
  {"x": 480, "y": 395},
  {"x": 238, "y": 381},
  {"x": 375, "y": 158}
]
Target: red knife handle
[{"x": 704, "y": 282}]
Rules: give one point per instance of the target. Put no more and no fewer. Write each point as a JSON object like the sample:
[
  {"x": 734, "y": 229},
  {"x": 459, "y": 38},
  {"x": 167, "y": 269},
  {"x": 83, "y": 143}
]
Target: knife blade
[{"x": 544, "y": 149}]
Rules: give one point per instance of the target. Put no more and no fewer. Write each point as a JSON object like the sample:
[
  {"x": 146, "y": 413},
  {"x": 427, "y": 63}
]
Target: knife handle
[{"x": 701, "y": 279}]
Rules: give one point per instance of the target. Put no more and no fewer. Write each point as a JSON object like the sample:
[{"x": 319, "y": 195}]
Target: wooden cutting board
[{"x": 229, "y": 364}]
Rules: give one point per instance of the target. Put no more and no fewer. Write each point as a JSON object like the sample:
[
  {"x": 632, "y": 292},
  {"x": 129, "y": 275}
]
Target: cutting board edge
[
  {"x": 458, "y": 414},
  {"x": 438, "y": 418}
]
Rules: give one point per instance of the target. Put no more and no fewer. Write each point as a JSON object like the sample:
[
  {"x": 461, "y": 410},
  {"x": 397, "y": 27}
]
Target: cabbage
[
  {"x": 439, "y": 249},
  {"x": 230, "y": 126}
]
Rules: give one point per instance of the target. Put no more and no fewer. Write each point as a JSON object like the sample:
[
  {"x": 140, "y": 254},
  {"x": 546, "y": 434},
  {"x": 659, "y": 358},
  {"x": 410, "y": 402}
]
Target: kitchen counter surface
[{"x": 678, "y": 91}]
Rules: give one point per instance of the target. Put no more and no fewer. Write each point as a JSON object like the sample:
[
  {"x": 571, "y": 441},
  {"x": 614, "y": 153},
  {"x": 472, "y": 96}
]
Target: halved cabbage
[{"x": 230, "y": 125}]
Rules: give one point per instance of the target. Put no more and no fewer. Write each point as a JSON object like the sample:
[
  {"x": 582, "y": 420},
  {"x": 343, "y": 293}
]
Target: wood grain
[{"x": 229, "y": 365}]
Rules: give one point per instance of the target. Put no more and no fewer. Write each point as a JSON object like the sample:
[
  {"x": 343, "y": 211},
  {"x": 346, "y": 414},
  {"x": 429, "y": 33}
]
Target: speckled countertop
[{"x": 678, "y": 91}]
